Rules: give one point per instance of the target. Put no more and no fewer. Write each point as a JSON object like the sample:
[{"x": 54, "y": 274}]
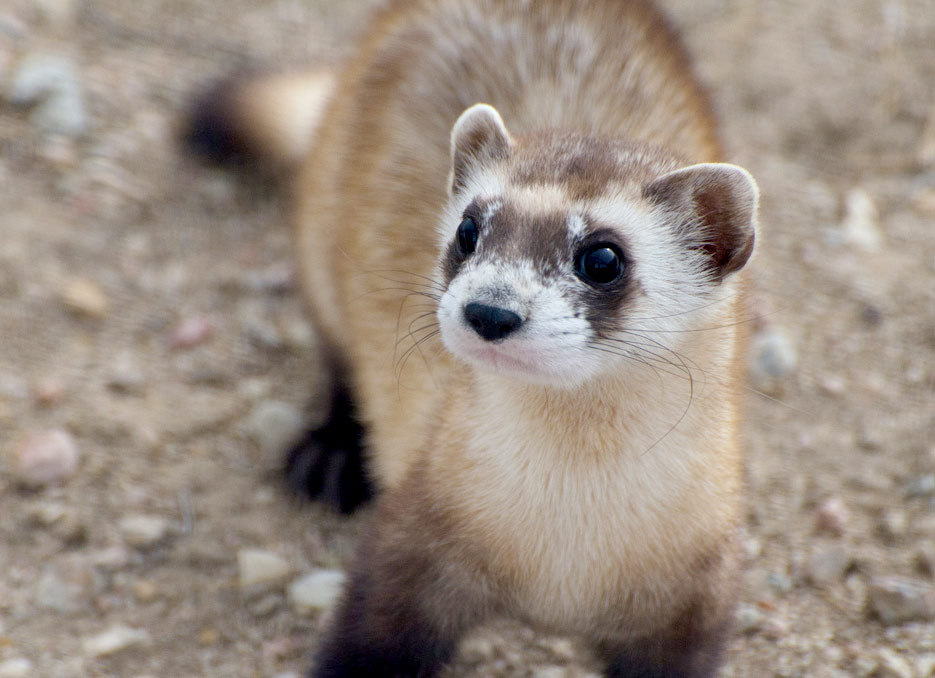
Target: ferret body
[{"x": 532, "y": 308}]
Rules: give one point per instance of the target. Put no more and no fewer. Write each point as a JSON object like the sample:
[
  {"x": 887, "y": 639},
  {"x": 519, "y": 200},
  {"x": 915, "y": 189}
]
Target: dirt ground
[{"x": 148, "y": 310}]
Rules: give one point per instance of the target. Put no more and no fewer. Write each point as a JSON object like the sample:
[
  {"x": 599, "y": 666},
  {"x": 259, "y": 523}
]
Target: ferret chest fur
[{"x": 580, "y": 498}]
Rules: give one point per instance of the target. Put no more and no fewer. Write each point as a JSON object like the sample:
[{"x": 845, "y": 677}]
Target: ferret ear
[
  {"x": 478, "y": 137},
  {"x": 714, "y": 208}
]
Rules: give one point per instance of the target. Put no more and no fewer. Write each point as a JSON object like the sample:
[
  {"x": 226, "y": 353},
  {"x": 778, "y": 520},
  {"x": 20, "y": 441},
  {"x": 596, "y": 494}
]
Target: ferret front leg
[
  {"x": 407, "y": 604},
  {"x": 686, "y": 650}
]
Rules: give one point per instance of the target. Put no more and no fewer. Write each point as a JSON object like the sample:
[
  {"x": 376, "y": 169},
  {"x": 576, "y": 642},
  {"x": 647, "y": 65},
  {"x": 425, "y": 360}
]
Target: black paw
[{"x": 327, "y": 464}]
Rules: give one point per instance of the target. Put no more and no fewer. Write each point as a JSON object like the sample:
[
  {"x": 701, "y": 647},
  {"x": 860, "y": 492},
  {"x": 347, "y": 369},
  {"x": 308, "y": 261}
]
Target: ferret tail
[{"x": 266, "y": 118}]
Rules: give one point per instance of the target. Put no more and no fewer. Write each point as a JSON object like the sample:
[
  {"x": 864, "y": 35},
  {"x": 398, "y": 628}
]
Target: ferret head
[{"x": 564, "y": 255}]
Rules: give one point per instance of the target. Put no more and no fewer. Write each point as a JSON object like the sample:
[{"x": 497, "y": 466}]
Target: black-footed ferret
[{"x": 525, "y": 263}]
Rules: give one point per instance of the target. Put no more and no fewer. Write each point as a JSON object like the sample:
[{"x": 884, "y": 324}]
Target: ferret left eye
[
  {"x": 467, "y": 236},
  {"x": 599, "y": 264}
]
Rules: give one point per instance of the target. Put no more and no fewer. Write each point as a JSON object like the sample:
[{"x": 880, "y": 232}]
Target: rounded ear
[
  {"x": 478, "y": 138},
  {"x": 713, "y": 208}
]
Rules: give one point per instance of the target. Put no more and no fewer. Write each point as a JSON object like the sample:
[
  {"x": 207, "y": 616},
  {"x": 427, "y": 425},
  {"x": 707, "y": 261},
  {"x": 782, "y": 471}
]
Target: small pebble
[
  {"x": 560, "y": 648},
  {"x": 64, "y": 522},
  {"x": 894, "y": 665},
  {"x": 16, "y": 667},
  {"x": 925, "y": 666},
  {"x": 923, "y": 559},
  {"x": 273, "y": 425},
  {"x": 113, "y": 640},
  {"x": 865, "y": 666},
  {"x": 143, "y": 531},
  {"x": 111, "y": 558},
  {"x": 549, "y": 672},
  {"x": 44, "y": 458},
  {"x": 49, "y": 83},
  {"x": 833, "y": 384},
  {"x": 477, "y": 649},
  {"x": 827, "y": 564},
  {"x": 894, "y": 524},
  {"x": 297, "y": 334},
  {"x": 860, "y": 227},
  {"x": 257, "y": 567},
  {"x": 774, "y": 355},
  {"x": 191, "y": 332},
  {"x": 749, "y": 618},
  {"x": 265, "y": 605},
  {"x": 65, "y": 586},
  {"x": 315, "y": 591},
  {"x": 59, "y": 13},
  {"x": 923, "y": 486},
  {"x": 125, "y": 374},
  {"x": 832, "y": 517},
  {"x": 925, "y": 148},
  {"x": 278, "y": 279},
  {"x": 895, "y": 600},
  {"x": 208, "y": 636},
  {"x": 145, "y": 590},
  {"x": 258, "y": 327},
  {"x": 84, "y": 297},
  {"x": 50, "y": 392}
]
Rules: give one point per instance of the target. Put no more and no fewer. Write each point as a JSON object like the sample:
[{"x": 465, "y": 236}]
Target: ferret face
[
  {"x": 563, "y": 257},
  {"x": 528, "y": 292}
]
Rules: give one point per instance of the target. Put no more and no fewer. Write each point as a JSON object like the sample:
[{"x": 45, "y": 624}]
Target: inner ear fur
[
  {"x": 478, "y": 138},
  {"x": 714, "y": 206}
]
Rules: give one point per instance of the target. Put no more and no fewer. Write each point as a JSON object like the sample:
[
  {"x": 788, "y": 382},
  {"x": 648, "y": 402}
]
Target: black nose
[{"x": 490, "y": 322}]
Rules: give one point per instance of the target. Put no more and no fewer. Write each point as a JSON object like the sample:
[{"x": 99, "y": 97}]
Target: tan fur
[
  {"x": 278, "y": 114},
  {"x": 572, "y": 500}
]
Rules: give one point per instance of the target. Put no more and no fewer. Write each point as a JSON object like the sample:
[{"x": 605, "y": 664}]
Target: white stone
[
  {"x": 113, "y": 640},
  {"x": 273, "y": 425},
  {"x": 66, "y": 584},
  {"x": 925, "y": 665},
  {"x": 833, "y": 516},
  {"x": 549, "y": 672},
  {"x": 50, "y": 82},
  {"x": 142, "y": 531},
  {"x": 773, "y": 355},
  {"x": 257, "y": 567},
  {"x": 895, "y": 600},
  {"x": 894, "y": 665},
  {"x": 84, "y": 297},
  {"x": 45, "y": 458},
  {"x": 749, "y": 618},
  {"x": 17, "y": 667},
  {"x": 316, "y": 591},
  {"x": 827, "y": 564},
  {"x": 861, "y": 228}
]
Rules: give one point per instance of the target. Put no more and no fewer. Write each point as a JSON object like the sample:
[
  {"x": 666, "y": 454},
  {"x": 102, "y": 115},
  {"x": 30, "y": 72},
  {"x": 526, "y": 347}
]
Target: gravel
[
  {"x": 43, "y": 458},
  {"x": 315, "y": 591},
  {"x": 84, "y": 297},
  {"x": 273, "y": 425},
  {"x": 896, "y": 600},
  {"x": 50, "y": 84},
  {"x": 258, "y": 568},
  {"x": 143, "y": 531},
  {"x": 127, "y": 272},
  {"x": 113, "y": 640}
]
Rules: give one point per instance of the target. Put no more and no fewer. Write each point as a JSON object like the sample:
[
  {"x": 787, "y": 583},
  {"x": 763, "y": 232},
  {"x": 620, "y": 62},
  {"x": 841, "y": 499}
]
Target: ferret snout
[{"x": 491, "y": 323}]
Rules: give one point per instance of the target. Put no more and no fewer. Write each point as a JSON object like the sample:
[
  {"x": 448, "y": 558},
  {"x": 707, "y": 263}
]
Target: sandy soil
[{"x": 147, "y": 308}]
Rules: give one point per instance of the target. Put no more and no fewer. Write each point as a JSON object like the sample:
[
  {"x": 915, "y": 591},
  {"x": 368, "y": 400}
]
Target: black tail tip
[{"x": 211, "y": 130}]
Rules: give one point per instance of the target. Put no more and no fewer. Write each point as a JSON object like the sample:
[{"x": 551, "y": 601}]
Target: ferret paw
[{"x": 327, "y": 464}]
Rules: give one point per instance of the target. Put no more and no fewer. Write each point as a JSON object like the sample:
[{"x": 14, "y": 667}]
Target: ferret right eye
[
  {"x": 600, "y": 264},
  {"x": 467, "y": 236}
]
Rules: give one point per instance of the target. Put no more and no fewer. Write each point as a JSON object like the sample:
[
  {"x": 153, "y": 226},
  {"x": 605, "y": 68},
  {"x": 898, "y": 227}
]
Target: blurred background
[{"x": 155, "y": 356}]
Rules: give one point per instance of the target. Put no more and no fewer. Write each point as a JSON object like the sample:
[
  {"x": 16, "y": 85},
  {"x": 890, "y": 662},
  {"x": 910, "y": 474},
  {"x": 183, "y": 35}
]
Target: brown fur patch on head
[{"x": 586, "y": 166}]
